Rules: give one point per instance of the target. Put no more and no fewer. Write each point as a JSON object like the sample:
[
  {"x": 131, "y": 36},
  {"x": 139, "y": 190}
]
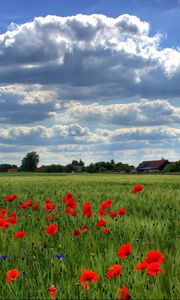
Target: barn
[{"x": 152, "y": 165}]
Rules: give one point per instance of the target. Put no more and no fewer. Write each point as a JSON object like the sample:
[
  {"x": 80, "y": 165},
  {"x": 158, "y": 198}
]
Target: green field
[{"x": 151, "y": 223}]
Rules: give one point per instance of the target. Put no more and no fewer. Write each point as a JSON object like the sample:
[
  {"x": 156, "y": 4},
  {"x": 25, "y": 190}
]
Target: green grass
[{"x": 151, "y": 223}]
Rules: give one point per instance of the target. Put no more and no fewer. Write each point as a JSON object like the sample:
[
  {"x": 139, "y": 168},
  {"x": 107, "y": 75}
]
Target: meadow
[{"x": 150, "y": 222}]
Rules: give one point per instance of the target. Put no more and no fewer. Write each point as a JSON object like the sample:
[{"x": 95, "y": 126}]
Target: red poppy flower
[
  {"x": 52, "y": 291},
  {"x": 71, "y": 212},
  {"x": 77, "y": 232},
  {"x": 136, "y": 189},
  {"x": 105, "y": 231},
  {"x": 29, "y": 202},
  {"x": 154, "y": 256},
  {"x": 114, "y": 271},
  {"x": 35, "y": 206},
  {"x": 49, "y": 206},
  {"x": 51, "y": 229},
  {"x": 3, "y": 224},
  {"x": 87, "y": 209},
  {"x": 20, "y": 234},
  {"x": 86, "y": 286},
  {"x": 13, "y": 213},
  {"x": 124, "y": 294},
  {"x": 154, "y": 268},
  {"x": 48, "y": 201},
  {"x": 101, "y": 213},
  {"x": 141, "y": 266},
  {"x": 12, "y": 275},
  {"x": 12, "y": 220},
  {"x": 11, "y": 197},
  {"x": 88, "y": 275},
  {"x": 71, "y": 203},
  {"x": 23, "y": 206},
  {"x": 124, "y": 250},
  {"x": 106, "y": 204},
  {"x": 101, "y": 223},
  {"x": 121, "y": 211},
  {"x": 84, "y": 228},
  {"x": 113, "y": 214}
]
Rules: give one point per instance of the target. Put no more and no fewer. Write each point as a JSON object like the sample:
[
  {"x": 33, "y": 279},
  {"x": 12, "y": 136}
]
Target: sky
[{"x": 89, "y": 79}]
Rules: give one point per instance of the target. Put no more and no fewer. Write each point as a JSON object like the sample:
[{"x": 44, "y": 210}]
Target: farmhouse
[
  {"x": 41, "y": 169},
  {"x": 152, "y": 166},
  {"x": 13, "y": 170}
]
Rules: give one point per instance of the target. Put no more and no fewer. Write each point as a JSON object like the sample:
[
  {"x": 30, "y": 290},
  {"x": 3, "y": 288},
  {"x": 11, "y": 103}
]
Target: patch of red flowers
[
  {"x": 77, "y": 232},
  {"x": 51, "y": 229},
  {"x": 114, "y": 271},
  {"x": 11, "y": 197},
  {"x": 87, "y": 209},
  {"x": 101, "y": 223},
  {"x": 105, "y": 230},
  {"x": 12, "y": 275},
  {"x": 124, "y": 250},
  {"x": 124, "y": 294},
  {"x": 88, "y": 275},
  {"x": 152, "y": 263},
  {"x": 20, "y": 234},
  {"x": 121, "y": 211},
  {"x": 52, "y": 291},
  {"x": 137, "y": 188}
]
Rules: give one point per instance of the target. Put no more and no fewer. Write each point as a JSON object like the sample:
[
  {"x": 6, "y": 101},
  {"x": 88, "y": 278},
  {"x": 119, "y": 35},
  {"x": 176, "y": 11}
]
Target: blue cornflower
[
  {"x": 59, "y": 256},
  {"x": 4, "y": 256}
]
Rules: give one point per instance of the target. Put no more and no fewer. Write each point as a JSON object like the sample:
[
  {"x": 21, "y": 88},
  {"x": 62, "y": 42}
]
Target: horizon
[{"x": 96, "y": 80}]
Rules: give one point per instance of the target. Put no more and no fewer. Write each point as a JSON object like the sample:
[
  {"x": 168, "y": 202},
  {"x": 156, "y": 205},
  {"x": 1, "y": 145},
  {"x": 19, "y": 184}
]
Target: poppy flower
[
  {"x": 86, "y": 286},
  {"x": 12, "y": 275},
  {"x": 114, "y": 271},
  {"x": 11, "y": 197},
  {"x": 20, "y": 234},
  {"x": 154, "y": 256},
  {"x": 35, "y": 206},
  {"x": 101, "y": 223},
  {"x": 49, "y": 206},
  {"x": 23, "y": 206},
  {"x": 71, "y": 212},
  {"x": 137, "y": 188},
  {"x": 48, "y": 201},
  {"x": 106, "y": 204},
  {"x": 87, "y": 209},
  {"x": 52, "y": 291},
  {"x": 105, "y": 231},
  {"x": 113, "y": 214},
  {"x": 84, "y": 228},
  {"x": 3, "y": 224},
  {"x": 12, "y": 220},
  {"x": 101, "y": 213},
  {"x": 141, "y": 266},
  {"x": 88, "y": 275},
  {"x": 124, "y": 294},
  {"x": 124, "y": 250},
  {"x": 154, "y": 268},
  {"x": 121, "y": 211},
  {"x": 51, "y": 229},
  {"x": 77, "y": 232},
  {"x": 29, "y": 202}
]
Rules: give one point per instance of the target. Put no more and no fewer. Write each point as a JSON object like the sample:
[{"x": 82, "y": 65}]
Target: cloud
[
  {"x": 114, "y": 57},
  {"x": 143, "y": 113}
]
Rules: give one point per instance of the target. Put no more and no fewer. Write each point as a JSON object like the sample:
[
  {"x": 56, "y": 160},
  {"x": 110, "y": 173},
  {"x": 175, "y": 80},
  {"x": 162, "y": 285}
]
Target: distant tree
[
  {"x": 74, "y": 163},
  {"x": 81, "y": 163},
  {"x": 173, "y": 167},
  {"x": 30, "y": 162}
]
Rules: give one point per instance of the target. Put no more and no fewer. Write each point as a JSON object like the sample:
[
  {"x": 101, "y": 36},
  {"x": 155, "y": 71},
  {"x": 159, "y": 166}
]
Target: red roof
[{"x": 153, "y": 164}]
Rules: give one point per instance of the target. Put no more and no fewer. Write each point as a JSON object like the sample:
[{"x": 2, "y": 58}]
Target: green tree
[{"x": 30, "y": 162}]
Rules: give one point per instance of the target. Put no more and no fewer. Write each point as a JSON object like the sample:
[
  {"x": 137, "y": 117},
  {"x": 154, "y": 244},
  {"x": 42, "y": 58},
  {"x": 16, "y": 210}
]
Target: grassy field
[{"x": 151, "y": 223}]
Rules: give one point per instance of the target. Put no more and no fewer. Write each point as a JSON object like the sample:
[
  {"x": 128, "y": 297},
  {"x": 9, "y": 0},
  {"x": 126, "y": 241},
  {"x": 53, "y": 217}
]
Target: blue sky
[{"x": 96, "y": 80}]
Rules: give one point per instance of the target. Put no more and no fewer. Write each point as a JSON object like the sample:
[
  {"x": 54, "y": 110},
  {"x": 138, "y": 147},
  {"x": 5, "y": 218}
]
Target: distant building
[
  {"x": 78, "y": 168},
  {"x": 41, "y": 169},
  {"x": 152, "y": 166},
  {"x": 13, "y": 170}
]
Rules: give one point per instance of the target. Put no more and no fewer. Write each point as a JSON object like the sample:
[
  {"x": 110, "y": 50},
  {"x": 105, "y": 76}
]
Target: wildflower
[
  {"x": 20, "y": 234},
  {"x": 35, "y": 206},
  {"x": 50, "y": 206},
  {"x": 77, "y": 232},
  {"x": 136, "y": 189},
  {"x": 12, "y": 275},
  {"x": 124, "y": 294},
  {"x": 84, "y": 228},
  {"x": 71, "y": 212},
  {"x": 113, "y": 213},
  {"x": 86, "y": 286},
  {"x": 154, "y": 256},
  {"x": 101, "y": 223},
  {"x": 105, "y": 231},
  {"x": 52, "y": 291},
  {"x": 141, "y": 266},
  {"x": 113, "y": 271},
  {"x": 29, "y": 203},
  {"x": 154, "y": 268},
  {"x": 51, "y": 229},
  {"x": 11, "y": 197},
  {"x": 12, "y": 220},
  {"x": 101, "y": 212},
  {"x": 106, "y": 204},
  {"x": 3, "y": 224},
  {"x": 4, "y": 256},
  {"x": 88, "y": 275},
  {"x": 121, "y": 211},
  {"x": 124, "y": 250},
  {"x": 87, "y": 209},
  {"x": 59, "y": 256},
  {"x": 23, "y": 206}
]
